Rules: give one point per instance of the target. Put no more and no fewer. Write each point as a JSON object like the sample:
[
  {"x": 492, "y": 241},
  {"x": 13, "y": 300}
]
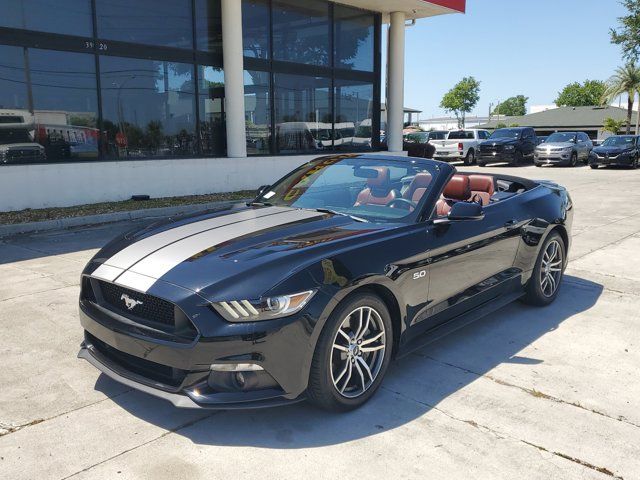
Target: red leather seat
[
  {"x": 457, "y": 190},
  {"x": 482, "y": 188},
  {"x": 378, "y": 191},
  {"x": 418, "y": 187}
]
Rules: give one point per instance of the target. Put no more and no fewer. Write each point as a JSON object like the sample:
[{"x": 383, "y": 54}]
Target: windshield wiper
[
  {"x": 342, "y": 214},
  {"x": 259, "y": 204}
]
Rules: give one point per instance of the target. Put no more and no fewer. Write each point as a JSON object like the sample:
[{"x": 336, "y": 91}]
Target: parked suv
[
  {"x": 420, "y": 144},
  {"x": 511, "y": 145},
  {"x": 564, "y": 148}
]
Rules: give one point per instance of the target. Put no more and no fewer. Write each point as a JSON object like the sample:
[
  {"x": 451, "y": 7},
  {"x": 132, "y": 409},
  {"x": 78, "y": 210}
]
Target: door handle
[{"x": 511, "y": 224}]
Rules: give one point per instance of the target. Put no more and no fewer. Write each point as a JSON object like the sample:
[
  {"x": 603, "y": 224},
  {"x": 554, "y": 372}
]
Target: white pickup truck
[{"x": 460, "y": 145}]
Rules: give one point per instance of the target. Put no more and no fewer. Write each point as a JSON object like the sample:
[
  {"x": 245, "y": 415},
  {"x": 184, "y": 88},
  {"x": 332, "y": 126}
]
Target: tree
[
  {"x": 462, "y": 98},
  {"x": 612, "y": 125},
  {"x": 625, "y": 80},
  {"x": 501, "y": 125},
  {"x": 581, "y": 95},
  {"x": 628, "y": 35},
  {"x": 512, "y": 106}
]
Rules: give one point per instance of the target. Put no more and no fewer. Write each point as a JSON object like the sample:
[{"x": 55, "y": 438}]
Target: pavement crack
[
  {"x": 501, "y": 436},
  {"x": 531, "y": 391},
  {"x": 168, "y": 432},
  {"x": 8, "y": 428},
  {"x": 583, "y": 463}
]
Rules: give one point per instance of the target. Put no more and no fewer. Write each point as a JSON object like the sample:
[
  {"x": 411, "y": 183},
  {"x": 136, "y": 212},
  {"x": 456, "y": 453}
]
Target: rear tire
[
  {"x": 343, "y": 375},
  {"x": 545, "y": 281},
  {"x": 470, "y": 159}
]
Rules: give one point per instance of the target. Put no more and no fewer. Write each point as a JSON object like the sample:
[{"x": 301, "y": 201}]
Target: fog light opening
[{"x": 236, "y": 367}]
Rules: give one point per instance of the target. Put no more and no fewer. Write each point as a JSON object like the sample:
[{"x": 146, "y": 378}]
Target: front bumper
[
  {"x": 559, "y": 158},
  {"x": 180, "y": 372},
  {"x": 497, "y": 157},
  {"x": 623, "y": 160}
]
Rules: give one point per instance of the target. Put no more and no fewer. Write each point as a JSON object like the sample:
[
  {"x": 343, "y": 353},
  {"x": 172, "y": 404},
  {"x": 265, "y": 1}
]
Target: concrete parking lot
[{"x": 549, "y": 393}]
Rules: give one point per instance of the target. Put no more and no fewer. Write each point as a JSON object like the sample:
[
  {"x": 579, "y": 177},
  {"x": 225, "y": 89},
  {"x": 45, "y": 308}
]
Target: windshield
[
  {"x": 619, "y": 141},
  {"x": 417, "y": 137},
  {"x": 506, "y": 133},
  {"x": 357, "y": 186},
  {"x": 561, "y": 137}
]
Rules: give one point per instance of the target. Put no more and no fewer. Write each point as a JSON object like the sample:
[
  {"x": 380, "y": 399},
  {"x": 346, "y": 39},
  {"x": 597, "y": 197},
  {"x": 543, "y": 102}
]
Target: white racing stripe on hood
[
  {"x": 135, "y": 252},
  {"x": 160, "y": 262}
]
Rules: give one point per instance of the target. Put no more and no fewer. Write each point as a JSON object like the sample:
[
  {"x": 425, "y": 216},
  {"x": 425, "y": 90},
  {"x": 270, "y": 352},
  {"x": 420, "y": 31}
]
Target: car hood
[
  {"x": 612, "y": 150},
  {"x": 250, "y": 249},
  {"x": 501, "y": 141}
]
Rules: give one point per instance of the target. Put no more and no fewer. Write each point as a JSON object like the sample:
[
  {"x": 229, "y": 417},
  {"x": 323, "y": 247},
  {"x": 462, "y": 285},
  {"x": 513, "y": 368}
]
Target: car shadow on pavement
[{"x": 414, "y": 385}]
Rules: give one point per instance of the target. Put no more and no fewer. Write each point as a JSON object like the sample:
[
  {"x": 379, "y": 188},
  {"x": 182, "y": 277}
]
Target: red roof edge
[{"x": 459, "y": 5}]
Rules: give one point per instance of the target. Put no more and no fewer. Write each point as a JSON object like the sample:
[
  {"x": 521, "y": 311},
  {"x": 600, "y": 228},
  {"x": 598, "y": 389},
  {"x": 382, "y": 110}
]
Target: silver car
[{"x": 563, "y": 148}]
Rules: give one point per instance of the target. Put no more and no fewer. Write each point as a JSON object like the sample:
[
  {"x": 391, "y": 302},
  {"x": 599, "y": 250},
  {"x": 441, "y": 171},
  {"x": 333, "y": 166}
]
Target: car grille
[
  {"x": 151, "y": 309},
  {"x": 156, "y": 372},
  {"x": 160, "y": 318},
  {"x": 23, "y": 155},
  {"x": 491, "y": 148}
]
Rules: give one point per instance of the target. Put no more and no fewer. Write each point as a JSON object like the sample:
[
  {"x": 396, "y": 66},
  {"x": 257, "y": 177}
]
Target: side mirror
[
  {"x": 462, "y": 211},
  {"x": 263, "y": 189}
]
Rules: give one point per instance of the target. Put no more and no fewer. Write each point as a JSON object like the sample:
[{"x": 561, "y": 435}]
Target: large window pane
[
  {"x": 72, "y": 17},
  {"x": 148, "y": 107},
  {"x": 255, "y": 28},
  {"x": 65, "y": 104},
  {"x": 353, "y": 38},
  {"x": 257, "y": 111},
  {"x": 212, "y": 119},
  {"x": 208, "y": 25},
  {"x": 301, "y": 31},
  {"x": 303, "y": 114},
  {"x": 13, "y": 82},
  {"x": 60, "y": 124},
  {"x": 354, "y": 113},
  {"x": 153, "y": 22}
]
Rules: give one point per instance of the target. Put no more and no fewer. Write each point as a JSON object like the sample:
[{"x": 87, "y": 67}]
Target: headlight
[
  {"x": 509, "y": 147},
  {"x": 567, "y": 149},
  {"x": 264, "y": 309}
]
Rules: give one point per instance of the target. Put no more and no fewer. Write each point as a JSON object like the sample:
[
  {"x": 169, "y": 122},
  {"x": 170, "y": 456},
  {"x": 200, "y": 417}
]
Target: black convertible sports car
[{"x": 310, "y": 290}]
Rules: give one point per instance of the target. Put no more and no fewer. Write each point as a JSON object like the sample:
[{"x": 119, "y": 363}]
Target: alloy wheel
[
  {"x": 358, "y": 352},
  {"x": 551, "y": 269}
]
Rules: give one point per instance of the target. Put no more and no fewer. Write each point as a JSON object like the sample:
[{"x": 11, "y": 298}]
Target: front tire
[
  {"x": 574, "y": 160},
  {"x": 352, "y": 354},
  {"x": 518, "y": 158},
  {"x": 594, "y": 167},
  {"x": 544, "y": 284}
]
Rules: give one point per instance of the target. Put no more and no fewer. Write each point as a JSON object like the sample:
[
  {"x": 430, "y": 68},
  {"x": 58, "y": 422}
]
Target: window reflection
[
  {"x": 354, "y": 113},
  {"x": 153, "y": 22},
  {"x": 148, "y": 107},
  {"x": 303, "y": 114},
  {"x": 208, "y": 25},
  {"x": 212, "y": 119},
  {"x": 49, "y": 115},
  {"x": 257, "y": 112},
  {"x": 354, "y": 38},
  {"x": 255, "y": 28},
  {"x": 54, "y": 16},
  {"x": 301, "y": 31}
]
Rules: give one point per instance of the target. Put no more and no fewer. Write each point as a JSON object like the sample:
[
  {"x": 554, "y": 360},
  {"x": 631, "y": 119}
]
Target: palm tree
[{"x": 626, "y": 80}]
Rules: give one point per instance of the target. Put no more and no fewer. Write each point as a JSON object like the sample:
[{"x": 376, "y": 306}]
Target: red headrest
[
  {"x": 458, "y": 188},
  {"x": 482, "y": 183},
  {"x": 383, "y": 178}
]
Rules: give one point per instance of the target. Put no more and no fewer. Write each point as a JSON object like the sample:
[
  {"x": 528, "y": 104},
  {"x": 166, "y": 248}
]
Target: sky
[{"x": 512, "y": 47}]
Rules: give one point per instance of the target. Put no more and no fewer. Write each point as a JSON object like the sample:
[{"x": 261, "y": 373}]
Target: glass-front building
[{"x": 97, "y": 80}]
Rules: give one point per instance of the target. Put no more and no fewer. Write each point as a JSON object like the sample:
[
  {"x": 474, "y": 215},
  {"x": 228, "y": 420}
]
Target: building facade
[{"x": 102, "y": 99}]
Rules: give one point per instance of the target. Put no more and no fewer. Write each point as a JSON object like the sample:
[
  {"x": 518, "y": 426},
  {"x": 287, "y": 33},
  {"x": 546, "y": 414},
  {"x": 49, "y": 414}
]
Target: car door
[{"x": 469, "y": 262}]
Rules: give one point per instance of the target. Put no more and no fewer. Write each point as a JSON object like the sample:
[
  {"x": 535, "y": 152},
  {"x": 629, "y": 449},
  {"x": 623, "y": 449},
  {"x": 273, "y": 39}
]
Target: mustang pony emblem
[{"x": 131, "y": 303}]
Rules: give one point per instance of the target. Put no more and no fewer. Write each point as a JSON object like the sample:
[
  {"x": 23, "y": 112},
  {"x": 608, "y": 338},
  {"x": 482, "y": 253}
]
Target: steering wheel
[{"x": 402, "y": 201}]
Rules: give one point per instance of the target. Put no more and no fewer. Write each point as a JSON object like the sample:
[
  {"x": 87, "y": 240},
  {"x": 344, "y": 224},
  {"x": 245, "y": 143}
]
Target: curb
[{"x": 65, "y": 223}]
